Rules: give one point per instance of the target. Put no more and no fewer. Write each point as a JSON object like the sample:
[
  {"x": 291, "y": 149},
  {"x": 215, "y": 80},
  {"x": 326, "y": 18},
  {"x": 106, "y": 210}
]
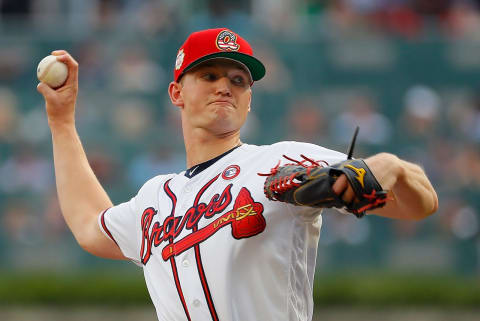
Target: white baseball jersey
[{"x": 213, "y": 247}]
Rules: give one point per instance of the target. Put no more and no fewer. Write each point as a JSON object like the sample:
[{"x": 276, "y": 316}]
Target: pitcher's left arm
[{"x": 412, "y": 196}]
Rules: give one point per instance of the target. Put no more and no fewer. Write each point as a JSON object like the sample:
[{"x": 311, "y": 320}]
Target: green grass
[
  {"x": 376, "y": 289},
  {"x": 99, "y": 287},
  {"x": 93, "y": 287}
]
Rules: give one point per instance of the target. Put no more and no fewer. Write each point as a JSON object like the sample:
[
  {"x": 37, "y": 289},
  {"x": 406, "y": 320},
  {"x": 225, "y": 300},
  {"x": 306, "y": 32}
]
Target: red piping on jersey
[
  {"x": 172, "y": 259},
  {"x": 105, "y": 228},
  {"x": 203, "y": 279},
  {"x": 200, "y": 193},
  {"x": 178, "y": 286},
  {"x": 198, "y": 258}
]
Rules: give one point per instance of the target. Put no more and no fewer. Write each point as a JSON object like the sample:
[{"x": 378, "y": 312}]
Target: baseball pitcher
[{"x": 234, "y": 236}]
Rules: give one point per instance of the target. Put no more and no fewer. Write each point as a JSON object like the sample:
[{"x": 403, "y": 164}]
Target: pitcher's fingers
[
  {"x": 349, "y": 195},
  {"x": 72, "y": 65},
  {"x": 58, "y": 52},
  {"x": 340, "y": 185},
  {"x": 45, "y": 90}
]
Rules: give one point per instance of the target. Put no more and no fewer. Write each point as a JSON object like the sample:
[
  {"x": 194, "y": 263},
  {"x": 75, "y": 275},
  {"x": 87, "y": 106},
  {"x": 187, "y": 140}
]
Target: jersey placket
[{"x": 187, "y": 267}]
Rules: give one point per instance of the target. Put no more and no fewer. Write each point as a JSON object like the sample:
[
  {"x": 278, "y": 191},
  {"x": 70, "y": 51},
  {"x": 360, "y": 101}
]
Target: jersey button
[
  {"x": 196, "y": 303},
  {"x": 185, "y": 263}
]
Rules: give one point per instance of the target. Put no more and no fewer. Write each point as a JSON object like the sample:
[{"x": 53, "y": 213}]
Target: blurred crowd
[
  {"x": 403, "y": 18},
  {"x": 405, "y": 71}
]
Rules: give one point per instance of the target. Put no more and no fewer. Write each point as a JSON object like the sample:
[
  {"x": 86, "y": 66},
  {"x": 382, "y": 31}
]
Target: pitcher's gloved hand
[{"x": 311, "y": 185}]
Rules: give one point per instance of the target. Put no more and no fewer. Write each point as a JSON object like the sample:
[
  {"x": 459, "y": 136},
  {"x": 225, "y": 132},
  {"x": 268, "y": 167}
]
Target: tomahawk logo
[{"x": 245, "y": 219}]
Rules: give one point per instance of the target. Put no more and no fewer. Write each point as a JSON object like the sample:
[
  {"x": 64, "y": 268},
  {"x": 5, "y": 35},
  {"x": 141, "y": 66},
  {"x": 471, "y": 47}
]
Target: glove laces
[{"x": 283, "y": 184}]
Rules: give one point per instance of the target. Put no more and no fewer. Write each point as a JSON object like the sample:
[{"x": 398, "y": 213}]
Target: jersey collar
[{"x": 196, "y": 169}]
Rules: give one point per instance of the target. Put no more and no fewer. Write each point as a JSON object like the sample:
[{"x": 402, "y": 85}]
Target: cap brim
[{"x": 255, "y": 66}]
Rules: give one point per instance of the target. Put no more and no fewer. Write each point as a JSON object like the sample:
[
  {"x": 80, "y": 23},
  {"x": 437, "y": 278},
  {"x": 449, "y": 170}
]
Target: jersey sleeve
[
  {"x": 320, "y": 154},
  {"x": 119, "y": 223}
]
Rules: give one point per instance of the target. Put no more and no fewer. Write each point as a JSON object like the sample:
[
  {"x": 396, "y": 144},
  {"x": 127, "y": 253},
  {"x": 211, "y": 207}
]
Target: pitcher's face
[{"x": 215, "y": 96}]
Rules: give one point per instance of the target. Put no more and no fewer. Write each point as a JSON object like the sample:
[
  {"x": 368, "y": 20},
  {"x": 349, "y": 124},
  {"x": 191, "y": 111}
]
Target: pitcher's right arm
[{"x": 80, "y": 194}]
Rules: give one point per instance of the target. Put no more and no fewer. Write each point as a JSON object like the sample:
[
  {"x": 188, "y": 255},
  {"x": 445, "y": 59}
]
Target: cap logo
[
  {"x": 179, "y": 61},
  {"x": 227, "y": 41}
]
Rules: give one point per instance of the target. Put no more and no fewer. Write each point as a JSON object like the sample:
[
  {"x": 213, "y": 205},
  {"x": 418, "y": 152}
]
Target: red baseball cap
[{"x": 216, "y": 43}]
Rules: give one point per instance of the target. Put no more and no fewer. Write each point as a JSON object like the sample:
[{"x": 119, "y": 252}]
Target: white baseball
[{"x": 52, "y": 72}]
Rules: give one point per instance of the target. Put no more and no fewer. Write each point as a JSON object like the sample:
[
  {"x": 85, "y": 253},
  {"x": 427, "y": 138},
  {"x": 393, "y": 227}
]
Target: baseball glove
[{"x": 311, "y": 185}]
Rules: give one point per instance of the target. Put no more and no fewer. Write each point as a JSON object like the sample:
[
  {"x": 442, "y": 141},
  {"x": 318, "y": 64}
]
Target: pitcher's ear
[{"x": 174, "y": 91}]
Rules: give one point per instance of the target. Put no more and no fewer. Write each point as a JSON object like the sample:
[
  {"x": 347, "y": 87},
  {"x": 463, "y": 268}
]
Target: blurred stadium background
[{"x": 406, "y": 71}]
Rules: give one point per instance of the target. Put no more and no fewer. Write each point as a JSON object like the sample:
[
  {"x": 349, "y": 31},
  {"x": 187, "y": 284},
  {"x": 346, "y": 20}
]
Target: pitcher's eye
[
  {"x": 209, "y": 76},
  {"x": 238, "y": 80}
]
